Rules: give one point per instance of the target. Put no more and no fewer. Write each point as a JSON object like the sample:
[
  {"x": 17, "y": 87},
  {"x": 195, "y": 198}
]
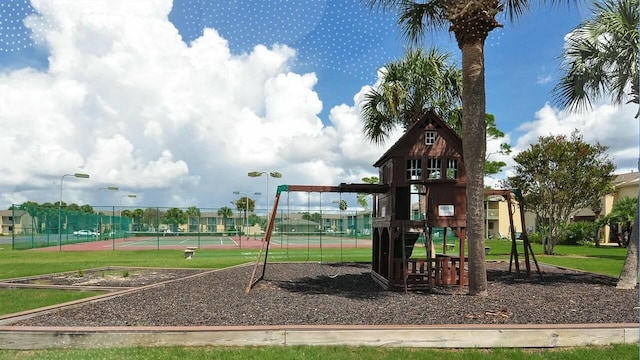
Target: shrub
[
  {"x": 535, "y": 238},
  {"x": 578, "y": 233}
]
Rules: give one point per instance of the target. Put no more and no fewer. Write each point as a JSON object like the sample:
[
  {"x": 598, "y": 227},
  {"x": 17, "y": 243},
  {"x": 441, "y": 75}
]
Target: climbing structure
[
  {"x": 426, "y": 178},
  {"x": 422, "y": 189}
]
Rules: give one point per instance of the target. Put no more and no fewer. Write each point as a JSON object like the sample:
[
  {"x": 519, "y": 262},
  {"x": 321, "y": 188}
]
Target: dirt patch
[{"x": 108, "y": 277}]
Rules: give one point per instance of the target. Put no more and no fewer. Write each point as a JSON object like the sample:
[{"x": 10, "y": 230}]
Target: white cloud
[
  {"x": 612, "y": 126},
  {"x": 127, "y": 101},
  {"x": 543, "y": 79}
]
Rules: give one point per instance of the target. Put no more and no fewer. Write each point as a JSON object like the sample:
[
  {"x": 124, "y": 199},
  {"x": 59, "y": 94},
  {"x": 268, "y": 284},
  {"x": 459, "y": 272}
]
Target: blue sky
[
  {"x": 177, "y": 100},
  {"x": 346, "y": 43}
]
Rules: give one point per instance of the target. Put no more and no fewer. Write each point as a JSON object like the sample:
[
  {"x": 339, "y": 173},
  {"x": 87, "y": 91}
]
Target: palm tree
[
  {"x": 600, "y": 61},
  {"x": 225, "y": 212},
  {"x": 192, "y": 213},
  {"x": 245, "y": 203},
  {"x": 623, "y": 213},
  {"x": 471, "y": 22},
  {"x": 126, "y": 213},
  {"x": 362, "y": 197},
  {"x": 407, "y": 86},
  {"x": 137, "y": 219}
]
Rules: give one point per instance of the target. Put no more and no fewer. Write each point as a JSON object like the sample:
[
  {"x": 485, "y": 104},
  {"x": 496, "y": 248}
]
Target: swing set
[
  {"x": 263, "y": 254},
  {"x": 528, "y": 250},
  {"x": 436, "y": 269}
]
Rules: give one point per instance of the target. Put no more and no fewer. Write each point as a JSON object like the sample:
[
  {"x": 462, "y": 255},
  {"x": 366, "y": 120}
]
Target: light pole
[
  {"x": 120, "y": 212},
  {"x": 246, "y": 207},
  {"x": 273, "y": 174},
  {"x": 80, "y": 176},
  {"x": 108, "y": 188}
]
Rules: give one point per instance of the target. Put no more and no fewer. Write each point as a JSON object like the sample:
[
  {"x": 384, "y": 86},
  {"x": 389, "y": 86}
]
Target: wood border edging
[{"x": 430, "y": 336}]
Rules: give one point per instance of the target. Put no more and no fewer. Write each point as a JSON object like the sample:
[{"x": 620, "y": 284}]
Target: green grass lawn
[
  {"x": 605, "y": 260},
  {"x": 17, "y": 299},
  {"x": 19, "y": 263},
  {"x": 13, "y": 263},
  {"x": 615, "y": 352}
]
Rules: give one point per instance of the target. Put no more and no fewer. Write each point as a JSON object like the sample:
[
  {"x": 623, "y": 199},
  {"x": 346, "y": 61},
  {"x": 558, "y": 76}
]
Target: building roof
[
  {"x": 630, "y": 178},
  {"x": 430, "y": 118}
]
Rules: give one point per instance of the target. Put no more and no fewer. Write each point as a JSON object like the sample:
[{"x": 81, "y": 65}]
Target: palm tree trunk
[
  {"x": 474, "y": 147},
  {"x": 629, "y": 275}
]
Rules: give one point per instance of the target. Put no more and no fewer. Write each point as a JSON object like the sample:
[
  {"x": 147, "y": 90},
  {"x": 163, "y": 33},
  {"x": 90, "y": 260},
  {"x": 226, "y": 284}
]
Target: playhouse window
[
  {"x": 433, "y": 168},
  {"x": 452, "y": 169},
  {"x": 430, "y": 137},
  {"x": 414, "y": 169},
  {"x": 385, "y": 174}
]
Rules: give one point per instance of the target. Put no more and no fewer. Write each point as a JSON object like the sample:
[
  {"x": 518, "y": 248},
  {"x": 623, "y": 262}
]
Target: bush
[
  {"x": 535, "y": 238},
  {"x": 578, "y": 233}
]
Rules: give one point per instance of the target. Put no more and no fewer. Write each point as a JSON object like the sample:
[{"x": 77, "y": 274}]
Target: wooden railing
[{"x": 441, "y": 270}]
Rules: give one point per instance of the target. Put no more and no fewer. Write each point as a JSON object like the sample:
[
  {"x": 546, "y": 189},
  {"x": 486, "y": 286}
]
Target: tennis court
[{"x": 212, "y": 241}]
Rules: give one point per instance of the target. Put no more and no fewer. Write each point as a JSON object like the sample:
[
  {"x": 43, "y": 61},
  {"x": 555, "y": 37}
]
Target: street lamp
[
  {"x": 78, "y": 175},
  {"x": 127, "y": 196},
  {"x": 111, "y": 188},
  {"x": 120, "y": 212},
  {"x": 246, "y": 207},
  {"x": 108, "y": 188},
  {"x": 273, "y": 174}
]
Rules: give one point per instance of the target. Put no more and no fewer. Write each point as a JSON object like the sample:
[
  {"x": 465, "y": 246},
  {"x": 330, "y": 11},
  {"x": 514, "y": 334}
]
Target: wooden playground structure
[{"x": 422, "y": 187}]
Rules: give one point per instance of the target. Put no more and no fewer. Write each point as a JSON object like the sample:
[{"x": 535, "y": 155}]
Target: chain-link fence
[
  {"x": 41, "y": 226},
  {"x": 158, "y": 227}
]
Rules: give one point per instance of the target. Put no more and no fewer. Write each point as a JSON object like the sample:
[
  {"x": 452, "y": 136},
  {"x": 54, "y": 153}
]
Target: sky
[{"x": 175, "y": 101}]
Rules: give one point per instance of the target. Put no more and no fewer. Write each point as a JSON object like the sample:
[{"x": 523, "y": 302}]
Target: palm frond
[
  {"x": 377, "y": 124},
  {"x": 515, "y": 8},
  {"x": 600, "y": 59},
  {"x": 417, "y": 18}
]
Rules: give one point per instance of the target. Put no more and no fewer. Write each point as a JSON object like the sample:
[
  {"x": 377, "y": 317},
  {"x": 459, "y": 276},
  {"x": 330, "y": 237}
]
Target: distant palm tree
[
  {"x": 470, "y": 21},
  {"x": 245, "y": 203},
  {"x": 600, "y": 60},
  {"x": 137, "y": 219},
  {"x": 362, "y": 197},
  {"x": 225, "y": 212},
  {"x": 192, "y": 213},
  {"x": 125, "y": 214}
]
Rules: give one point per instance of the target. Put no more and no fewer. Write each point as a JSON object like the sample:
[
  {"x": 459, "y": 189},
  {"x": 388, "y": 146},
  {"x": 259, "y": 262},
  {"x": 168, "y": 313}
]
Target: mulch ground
[{"x": 346, "y": 294}]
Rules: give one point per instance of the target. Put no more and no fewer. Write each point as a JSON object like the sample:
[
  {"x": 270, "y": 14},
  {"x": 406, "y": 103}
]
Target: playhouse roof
[{"x": 429, "y": 119}]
